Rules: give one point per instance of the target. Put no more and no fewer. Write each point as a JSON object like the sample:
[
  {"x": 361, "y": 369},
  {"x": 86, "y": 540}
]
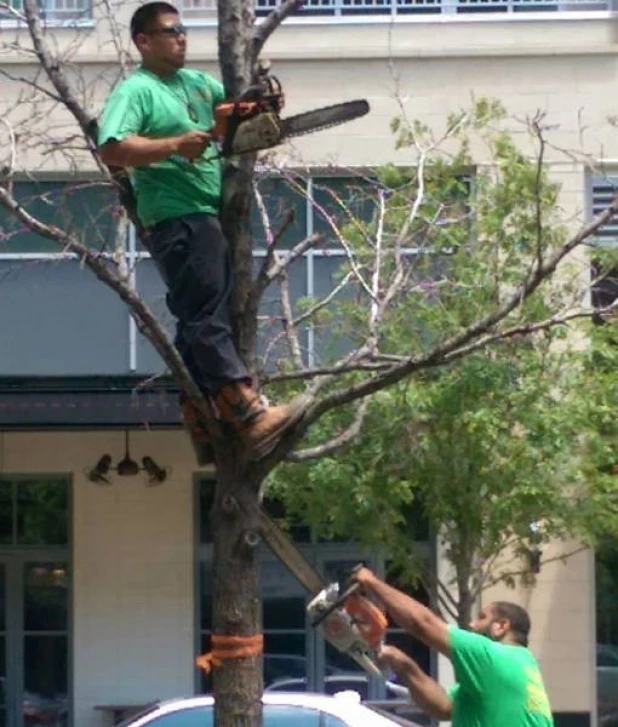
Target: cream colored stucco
[
  {"x": 560, "y": 601},
  {"x": 133, "y": 565}
]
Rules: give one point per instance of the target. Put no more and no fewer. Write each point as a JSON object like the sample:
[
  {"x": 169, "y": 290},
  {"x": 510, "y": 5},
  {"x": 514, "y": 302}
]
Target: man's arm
[
  {"x": 407, "y": 613},
  {"x": 139, "y": 151},
  {"x": 425, "y": 691}
]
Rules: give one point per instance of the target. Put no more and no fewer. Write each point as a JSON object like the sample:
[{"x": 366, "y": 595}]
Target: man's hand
[
  {"x": 363, "y": 576},
  {"x": 393, "y": 659},
  {"x": 408, "y": 613},
  {"x": 191, "y": 145},
  {"x": 424, "y": 690}
]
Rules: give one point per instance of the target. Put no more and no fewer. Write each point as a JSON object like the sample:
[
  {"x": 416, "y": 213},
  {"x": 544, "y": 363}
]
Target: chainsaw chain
[{"x": 302, "y": 124}]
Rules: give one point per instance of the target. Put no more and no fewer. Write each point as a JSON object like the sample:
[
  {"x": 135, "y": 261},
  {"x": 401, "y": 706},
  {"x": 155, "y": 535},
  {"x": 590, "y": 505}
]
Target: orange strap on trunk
[{"x": 230, "y": 647}]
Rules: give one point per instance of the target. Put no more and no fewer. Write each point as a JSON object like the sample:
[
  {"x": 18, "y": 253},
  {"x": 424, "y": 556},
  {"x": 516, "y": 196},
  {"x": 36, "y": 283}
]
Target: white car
[
  {"x": 280, "y": 710},
  {"x": 335, "y": 683}
]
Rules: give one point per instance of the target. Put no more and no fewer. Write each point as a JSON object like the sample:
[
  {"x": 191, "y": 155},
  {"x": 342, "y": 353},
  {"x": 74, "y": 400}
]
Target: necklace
[{"x": 185, "y": 99}]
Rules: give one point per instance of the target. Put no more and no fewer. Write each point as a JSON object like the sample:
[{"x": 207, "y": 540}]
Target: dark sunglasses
[{"x": 171, "y": 31}]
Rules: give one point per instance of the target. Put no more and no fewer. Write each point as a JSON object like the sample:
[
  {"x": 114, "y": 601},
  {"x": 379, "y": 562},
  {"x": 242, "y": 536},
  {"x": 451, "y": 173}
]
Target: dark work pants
[{"x": 194, "y": 259}]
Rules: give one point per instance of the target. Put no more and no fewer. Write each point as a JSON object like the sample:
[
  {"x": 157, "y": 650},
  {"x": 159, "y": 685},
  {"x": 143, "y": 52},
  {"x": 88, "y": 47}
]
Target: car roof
[{"x": 345, "y": 705}]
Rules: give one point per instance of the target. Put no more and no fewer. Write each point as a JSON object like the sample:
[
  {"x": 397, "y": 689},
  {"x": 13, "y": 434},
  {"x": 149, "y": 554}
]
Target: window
[
  {"x": 66, "y": 313},
  {"x": 34, "y": 512},
  {"x": 320, "y": 205},
  {"x": 35, "y": 597},
  {"x": 84, "y": 209},
  {"x": 604, "y": 274},
  {"x": 57, "y": 10},
  {"x": 206, "y": 9}
]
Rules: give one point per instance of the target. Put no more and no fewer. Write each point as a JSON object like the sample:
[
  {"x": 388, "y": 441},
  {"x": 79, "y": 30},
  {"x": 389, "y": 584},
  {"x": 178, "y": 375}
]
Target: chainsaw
[
  {"x": 352, "y": 623},
  {"x": 253, "y": 122}
]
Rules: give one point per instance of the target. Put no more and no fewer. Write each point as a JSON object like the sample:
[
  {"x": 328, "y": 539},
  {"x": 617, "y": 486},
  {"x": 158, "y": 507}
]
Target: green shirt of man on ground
[
  {"x": 497, "y": 683},
  {"x": 498, "y": 680}
]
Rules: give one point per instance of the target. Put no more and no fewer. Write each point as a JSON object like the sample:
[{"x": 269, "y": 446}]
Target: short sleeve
[
  {"x": 472, "y": 655},
  {"x": 122, "y": 116}
]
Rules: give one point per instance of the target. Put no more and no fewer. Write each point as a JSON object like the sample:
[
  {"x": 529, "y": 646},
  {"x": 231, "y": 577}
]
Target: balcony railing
[
  {"x": 68, "y": 10},
  {"x": 196, "y": 9},
  {"x": 56, "y": 10}
]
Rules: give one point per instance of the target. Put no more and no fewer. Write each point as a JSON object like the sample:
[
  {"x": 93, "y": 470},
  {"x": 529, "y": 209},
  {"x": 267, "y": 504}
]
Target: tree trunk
[
  {"x": 236, "y": 223},
  {"x": 465, "y": 601},
  {"x": 237, "y": 683}
]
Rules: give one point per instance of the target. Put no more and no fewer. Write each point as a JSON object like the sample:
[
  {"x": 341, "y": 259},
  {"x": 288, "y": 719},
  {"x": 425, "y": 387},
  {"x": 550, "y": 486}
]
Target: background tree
[
  {"x": 489, "y": 453},
  {"x": 396, "y": 265}
]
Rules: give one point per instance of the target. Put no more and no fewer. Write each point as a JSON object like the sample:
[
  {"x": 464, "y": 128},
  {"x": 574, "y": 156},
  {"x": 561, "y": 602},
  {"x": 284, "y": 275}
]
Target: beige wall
[
  {"x": 564, "y": 67},
  {"x": 133, "y": 566},
  {"x": 561, "y": 607}
]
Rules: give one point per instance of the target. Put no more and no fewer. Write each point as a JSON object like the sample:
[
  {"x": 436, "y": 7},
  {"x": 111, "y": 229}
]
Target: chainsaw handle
[
  {"x": 349, "y": 587},
  {"x": 335, "y": 604}
]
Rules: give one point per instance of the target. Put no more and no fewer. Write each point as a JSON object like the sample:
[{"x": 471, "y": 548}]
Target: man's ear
[{"x": 141, "y": 41}]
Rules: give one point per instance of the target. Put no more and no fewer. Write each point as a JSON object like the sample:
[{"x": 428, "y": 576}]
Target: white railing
[
  {"x": 67, "y": 10},
  {"x": 207, "y": 8}
]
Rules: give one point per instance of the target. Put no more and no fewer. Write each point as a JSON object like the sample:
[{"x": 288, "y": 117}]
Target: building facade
[{"x": 105, "y": 587}]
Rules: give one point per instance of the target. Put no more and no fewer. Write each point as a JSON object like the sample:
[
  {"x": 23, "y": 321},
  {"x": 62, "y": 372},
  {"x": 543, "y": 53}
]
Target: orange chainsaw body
[
  {"x": 368, "y": 619},
  {"x": 351, "y": 623}
]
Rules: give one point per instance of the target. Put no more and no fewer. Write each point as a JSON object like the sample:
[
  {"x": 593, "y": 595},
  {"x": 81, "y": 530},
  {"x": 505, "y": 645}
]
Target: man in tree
[
  {"x": 157, "y": 123},
  {"x": 498, "y": 679}
]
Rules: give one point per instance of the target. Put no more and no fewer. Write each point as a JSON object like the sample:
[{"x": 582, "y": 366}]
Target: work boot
[
  {"x": 197, "y": 429},
  {"x": 259, "y": 426}
]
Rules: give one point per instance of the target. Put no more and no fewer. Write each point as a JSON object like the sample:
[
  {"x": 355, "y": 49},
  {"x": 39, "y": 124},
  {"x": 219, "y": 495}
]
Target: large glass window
[
  {"x": 35, "y": 588},
  {"x": 62, "y": 307}
]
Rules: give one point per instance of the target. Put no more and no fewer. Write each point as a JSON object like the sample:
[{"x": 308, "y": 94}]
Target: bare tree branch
[
  {"x": 502, "y": 575},
  {"x": 271, "y": 22},
  {"x": 54, "y": 71},
  {"x": 310, "y": 374},
  {"x": 285, "y": 260},
  {"x": 32, "y": 84},
  {"x": 447, "y": 350},
  {"x": 288, "y": 321},
  {"x": 13, "y": 12},
  {"x": 86, "y": 123},
  {"x": 536, "y": 128},
  {"x": 340, "y": 441}
]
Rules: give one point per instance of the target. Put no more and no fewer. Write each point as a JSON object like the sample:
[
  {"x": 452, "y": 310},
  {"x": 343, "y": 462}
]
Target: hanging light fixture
[{"x": 126, "y": 467}]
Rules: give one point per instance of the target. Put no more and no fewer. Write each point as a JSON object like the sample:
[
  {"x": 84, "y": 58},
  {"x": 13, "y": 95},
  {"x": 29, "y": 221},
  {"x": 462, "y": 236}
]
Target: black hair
[
  {"x": 146, "y": 15},
  {"x": 517, "y": 617}
]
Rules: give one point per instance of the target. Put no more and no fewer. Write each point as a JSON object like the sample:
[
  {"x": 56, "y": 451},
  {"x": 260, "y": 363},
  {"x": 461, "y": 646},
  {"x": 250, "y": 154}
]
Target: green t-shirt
[
  {"x": 498, "y": 685},
  {"x": 146, "y": 105}
]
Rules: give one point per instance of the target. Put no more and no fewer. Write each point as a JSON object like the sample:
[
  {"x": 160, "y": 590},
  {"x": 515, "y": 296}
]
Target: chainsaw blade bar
[
  {"x": 288, "y": 553},
  {"x": 323, "y": 118}
]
